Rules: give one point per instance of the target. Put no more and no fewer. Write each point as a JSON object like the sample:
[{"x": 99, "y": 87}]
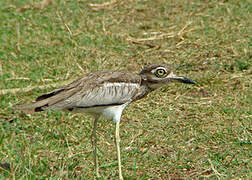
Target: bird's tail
[
  {"x": 41, "y": 103},
  {"x": 32, "y": 107}
]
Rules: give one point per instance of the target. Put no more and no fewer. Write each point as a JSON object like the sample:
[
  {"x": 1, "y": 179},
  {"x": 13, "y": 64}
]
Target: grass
[{"x": 177, "y": 132}]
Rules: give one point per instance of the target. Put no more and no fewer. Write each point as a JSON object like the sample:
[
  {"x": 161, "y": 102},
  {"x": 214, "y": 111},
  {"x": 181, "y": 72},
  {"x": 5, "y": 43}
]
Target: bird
[{"x": 106, "y": 93}]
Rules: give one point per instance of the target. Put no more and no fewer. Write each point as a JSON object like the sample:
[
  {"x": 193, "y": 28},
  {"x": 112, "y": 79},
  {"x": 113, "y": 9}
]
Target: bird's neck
[{"x": 149, "y": 84}]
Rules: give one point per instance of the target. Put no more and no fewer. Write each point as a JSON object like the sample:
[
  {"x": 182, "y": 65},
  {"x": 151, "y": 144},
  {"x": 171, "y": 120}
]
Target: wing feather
[
  {"x": 100, "y": 88},
  {"x": 106, "y": 94}
]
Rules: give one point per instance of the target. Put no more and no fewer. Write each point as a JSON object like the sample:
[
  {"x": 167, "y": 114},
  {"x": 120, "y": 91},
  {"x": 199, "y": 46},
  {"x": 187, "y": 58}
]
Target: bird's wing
[
  {"x": 94, "y": 89},
  {"x": 102, "y": 95}
]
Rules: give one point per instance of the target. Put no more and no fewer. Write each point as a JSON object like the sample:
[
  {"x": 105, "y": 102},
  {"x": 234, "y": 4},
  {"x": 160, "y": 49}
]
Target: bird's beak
[{"x": 181, "y": 79}]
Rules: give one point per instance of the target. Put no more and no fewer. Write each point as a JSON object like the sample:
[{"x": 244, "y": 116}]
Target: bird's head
[{"x": 157, "y": 75}]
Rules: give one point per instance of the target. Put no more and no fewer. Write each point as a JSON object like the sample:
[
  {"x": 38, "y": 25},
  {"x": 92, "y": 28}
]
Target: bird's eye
[{"x": 160, "y": 72}]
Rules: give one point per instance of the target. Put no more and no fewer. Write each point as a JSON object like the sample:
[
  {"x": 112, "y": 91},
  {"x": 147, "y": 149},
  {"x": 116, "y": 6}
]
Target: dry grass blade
[
  {"x": 147, "y": 44},
  {"x": 106, "y": 5},
  {"x": 18, "y": 37},
  {"x": 27, "y": 89},
  {"x": 1, "y": 69},
  {"x": 39, "y": 5},
  {"x": 213, "y": 168},
  {"x": 161, "y": 35},
  {"x": 62, "y": 19},
  {"x": 182, "y": 31}
]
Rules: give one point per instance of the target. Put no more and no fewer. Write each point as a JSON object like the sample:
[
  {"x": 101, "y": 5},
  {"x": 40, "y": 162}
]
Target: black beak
[{"x": 183, "y": 79}]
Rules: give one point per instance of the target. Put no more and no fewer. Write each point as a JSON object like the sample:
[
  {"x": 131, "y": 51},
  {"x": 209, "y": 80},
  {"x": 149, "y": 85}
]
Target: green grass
[{"x": 177, "y": 132}]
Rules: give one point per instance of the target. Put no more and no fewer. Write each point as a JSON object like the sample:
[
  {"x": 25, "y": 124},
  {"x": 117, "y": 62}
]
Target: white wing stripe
[{"x": 121, "y": 84}]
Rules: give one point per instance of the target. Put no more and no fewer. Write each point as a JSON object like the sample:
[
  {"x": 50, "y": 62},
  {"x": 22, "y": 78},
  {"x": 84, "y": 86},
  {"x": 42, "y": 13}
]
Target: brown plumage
[
  {"x": 78, "y": 89},
  {"x": 105, "y": 93}
]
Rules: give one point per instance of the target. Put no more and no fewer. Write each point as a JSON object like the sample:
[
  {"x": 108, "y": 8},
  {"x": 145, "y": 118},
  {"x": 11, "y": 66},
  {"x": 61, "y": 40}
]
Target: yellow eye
[{"x": 160, "y": 72}]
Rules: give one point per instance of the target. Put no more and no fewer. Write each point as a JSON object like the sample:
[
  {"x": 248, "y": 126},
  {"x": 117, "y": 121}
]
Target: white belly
[{"x": 109, "y": 112}]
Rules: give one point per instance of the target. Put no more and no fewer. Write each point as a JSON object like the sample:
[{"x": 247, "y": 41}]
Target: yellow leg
[
  {"x": 117, "y": 142},
  {"x": 94, "y": 144}
]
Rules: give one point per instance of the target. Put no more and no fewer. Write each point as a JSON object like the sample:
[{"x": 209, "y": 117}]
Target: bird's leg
[
  {"x": 94, "y": 145},
  {"x": 117, "y": 142}
]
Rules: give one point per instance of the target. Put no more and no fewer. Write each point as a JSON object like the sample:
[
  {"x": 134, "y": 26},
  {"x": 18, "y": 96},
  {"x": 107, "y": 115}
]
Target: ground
[{"x": 177, "y": 132}]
